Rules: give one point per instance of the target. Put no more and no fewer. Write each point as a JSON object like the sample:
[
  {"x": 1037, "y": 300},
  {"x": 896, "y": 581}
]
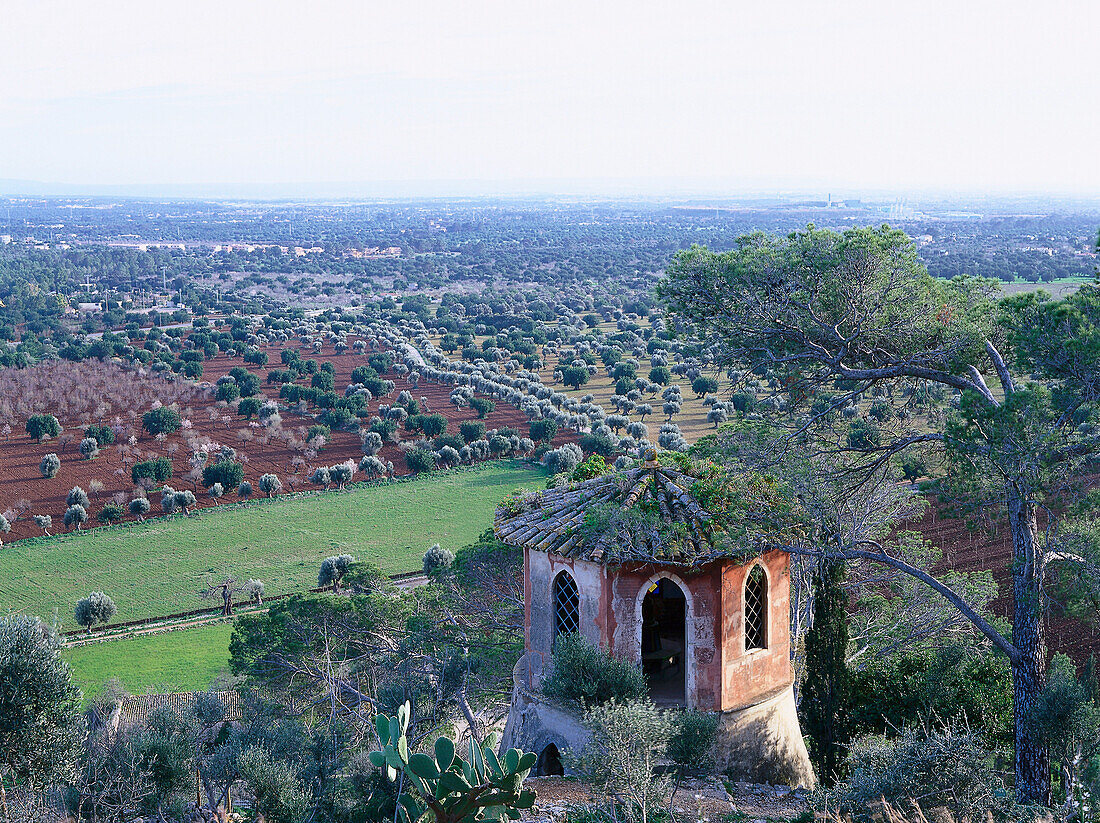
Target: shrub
[
  {"x": 162, "y": 420},
  {"x": 227, "y": 472},
  {"x": 691, "y": 747},
  {"x": 628, "y": 740},
  {"x": 419, "y": 460},
  {"x": 95, "y": 608},
  {"x": 244, "y": 491},
  {"x": 50, "y": 465},
  {"x": 159, "y": 469},
  {"x": 40, "y": 426},
  {"x": 437, "y": 559},
  {"x": 110, "y": 513},
  {"x": 89, "y": 448},
  {"x": 584, "y": 675},
  {"x": 139, "y": 507},
  {"x": 946, "y": 767},
  {"x": 594, "y": 466}
]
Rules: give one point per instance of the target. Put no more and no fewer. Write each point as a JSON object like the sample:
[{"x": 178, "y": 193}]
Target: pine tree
[{"x": 826, "y": 690}]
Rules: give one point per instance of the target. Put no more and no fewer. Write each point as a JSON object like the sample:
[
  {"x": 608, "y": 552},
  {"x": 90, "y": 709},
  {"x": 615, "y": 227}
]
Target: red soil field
[{"x": 83, "y": 393}]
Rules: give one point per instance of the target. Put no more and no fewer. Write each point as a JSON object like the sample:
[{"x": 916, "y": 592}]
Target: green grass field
[
  {"x": 187, "y": 660},
  {"x": 161, "y": 566}
]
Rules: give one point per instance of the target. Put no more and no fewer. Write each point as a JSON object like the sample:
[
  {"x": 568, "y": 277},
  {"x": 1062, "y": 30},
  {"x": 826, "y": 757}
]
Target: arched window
[
  {"x": 756, "y": 609},
  {"x": 567, "y": 611}
]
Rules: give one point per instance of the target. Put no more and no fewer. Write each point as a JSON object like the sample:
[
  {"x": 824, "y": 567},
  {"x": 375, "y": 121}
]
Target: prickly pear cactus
[{"x": 452, "y": 789}]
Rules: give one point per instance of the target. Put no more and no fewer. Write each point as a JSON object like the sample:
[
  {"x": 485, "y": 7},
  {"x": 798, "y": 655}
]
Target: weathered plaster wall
[
  {"x": 541, "y": 569},
  {"x": 748, "y": 675}
]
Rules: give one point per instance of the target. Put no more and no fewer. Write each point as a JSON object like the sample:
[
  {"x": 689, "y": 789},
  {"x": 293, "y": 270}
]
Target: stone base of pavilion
[{"x": 758, "y": 743}]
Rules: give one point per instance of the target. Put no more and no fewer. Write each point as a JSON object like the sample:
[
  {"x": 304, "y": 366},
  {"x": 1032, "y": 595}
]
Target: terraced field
[{"x": 176, "y": 661}]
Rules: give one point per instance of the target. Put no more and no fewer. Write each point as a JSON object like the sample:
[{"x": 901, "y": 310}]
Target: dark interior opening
[
  {"x": 549, "y": 762},
  {"x": 664, "y": 642}
]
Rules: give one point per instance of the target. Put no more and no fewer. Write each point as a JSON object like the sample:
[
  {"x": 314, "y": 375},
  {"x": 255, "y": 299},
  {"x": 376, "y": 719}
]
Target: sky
[{"x": 741, "y": 95}]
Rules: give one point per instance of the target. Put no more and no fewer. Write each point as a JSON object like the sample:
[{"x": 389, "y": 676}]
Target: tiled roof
[
  {"x": 550, "y": 521},
  {"x": 136, "y": 709}
]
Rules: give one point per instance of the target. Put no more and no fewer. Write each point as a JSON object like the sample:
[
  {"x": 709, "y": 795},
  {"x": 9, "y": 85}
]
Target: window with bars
[
  {"x": 567, "y": 612},
  {"x": 756, "y": 609}
]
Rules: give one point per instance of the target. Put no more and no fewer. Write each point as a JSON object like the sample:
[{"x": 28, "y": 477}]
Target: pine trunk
[{"x": 1029, "y": 638}]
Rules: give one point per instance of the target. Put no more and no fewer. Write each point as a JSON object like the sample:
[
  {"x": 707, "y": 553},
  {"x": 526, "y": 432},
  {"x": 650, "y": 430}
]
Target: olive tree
[
  {"x": 44, "y": 522},
  {"x": 333, "y": 570},
  {"x": 89, "y": 448},
  {"x": 77, "y": 497},
  {"x": 50, "y": 465},
  {"x": 75, "y": 515},
  {"x": 270, "y": 484},
  {"x": 437, "y": 559},
  {"x": 95, "y": 608},
  {"x": 139, "y": 507}
]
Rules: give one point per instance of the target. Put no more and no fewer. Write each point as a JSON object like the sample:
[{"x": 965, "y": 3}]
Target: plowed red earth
[{"x": 95, "y": 392}]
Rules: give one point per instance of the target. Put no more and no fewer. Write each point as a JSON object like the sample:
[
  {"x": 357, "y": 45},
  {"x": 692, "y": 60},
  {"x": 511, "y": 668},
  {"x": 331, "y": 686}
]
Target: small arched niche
[
  {"x": 664, "y": 642},
  {"x": 549, "y": 762}
]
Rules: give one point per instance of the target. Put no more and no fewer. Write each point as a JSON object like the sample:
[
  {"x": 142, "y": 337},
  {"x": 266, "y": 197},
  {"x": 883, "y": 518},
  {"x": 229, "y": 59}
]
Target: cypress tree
[{"x": 826, "y": 689}]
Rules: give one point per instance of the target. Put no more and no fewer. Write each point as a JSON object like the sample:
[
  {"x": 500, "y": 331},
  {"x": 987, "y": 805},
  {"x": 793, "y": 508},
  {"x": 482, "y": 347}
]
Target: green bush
[
  {"x": 948, "y": 767},
  {"x": 585, "y": 675},
  {"x": 691, "y": 747}
]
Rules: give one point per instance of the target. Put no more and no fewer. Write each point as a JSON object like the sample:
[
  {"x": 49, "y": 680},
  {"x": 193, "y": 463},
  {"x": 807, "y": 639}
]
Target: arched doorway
[
  {"x": 664, "y": 642},
  {"x": 549, "y": 762}
]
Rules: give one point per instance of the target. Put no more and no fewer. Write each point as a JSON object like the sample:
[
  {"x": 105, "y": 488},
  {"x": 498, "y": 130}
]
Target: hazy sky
[{"x": 846, "y": 96}]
